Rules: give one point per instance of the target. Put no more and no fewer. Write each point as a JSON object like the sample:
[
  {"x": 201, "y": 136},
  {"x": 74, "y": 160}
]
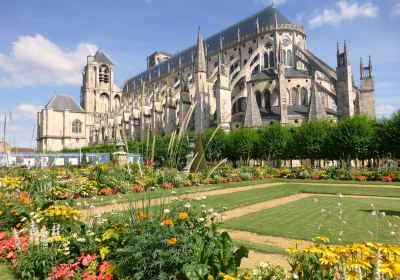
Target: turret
[
  {"x": 344, "y": 86},
  {"x": 367, "y": 89}
]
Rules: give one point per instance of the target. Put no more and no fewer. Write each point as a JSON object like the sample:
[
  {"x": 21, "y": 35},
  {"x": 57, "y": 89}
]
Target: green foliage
[
  {"x": 274, "y": 142},
  {"x": 243, "y": 144},
  {"x": 311, "y": 138},
  {"x": 214, "y": 144},
  {"x": 389, "y": 134}
]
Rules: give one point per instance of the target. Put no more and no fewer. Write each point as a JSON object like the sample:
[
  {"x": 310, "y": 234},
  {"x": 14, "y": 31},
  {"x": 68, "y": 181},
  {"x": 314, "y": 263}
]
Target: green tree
[
  {"x": 352, "y": 138},
  {"x": 310, "y": 140},
  {"x": 274, "y": 140},
  {"x": 389, "y": 133},
  {"x": 215, "y": 143},
  {"x": 242, "y": 144}
]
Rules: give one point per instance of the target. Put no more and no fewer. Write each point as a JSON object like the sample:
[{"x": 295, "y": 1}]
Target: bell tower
[
  {"x": 344, "y": 86},
  {"x": 367, "y": 89}
]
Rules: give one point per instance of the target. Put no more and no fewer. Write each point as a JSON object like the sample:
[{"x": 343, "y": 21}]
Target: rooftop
[
  {"x": 267, "y": 17},
  {"x": 63, "y": 102}
]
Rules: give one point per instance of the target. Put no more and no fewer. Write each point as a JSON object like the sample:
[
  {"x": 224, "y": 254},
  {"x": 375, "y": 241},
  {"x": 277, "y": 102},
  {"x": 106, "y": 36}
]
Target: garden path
[
  {"x": 87, "y": 213},
  {"x": 255, "y": 258}
]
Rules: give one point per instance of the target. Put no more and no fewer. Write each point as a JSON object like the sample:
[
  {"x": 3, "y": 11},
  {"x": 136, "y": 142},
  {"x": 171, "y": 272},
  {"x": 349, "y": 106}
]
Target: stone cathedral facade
[{"x": 253, "y": 73}]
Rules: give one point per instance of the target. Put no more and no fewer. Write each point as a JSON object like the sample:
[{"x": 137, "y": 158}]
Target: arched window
[
  {"x": 258, "y": 98},
  {"x": 303, "y": 96},
  {"x": 255, "y": 71},
  {"x": 271, "y": 59},
  {"x": 275, "y": 98},
  {"x": 289, "y": 58},
  {"x": 104, "y": 75},
  {"x": 284, "y": 57},
  {"x": 267, "y": 99},
  {"x": 76, "y": 126},
  {"x": 104, "y": 102},
  {"x": 266, "y": 60},
  {"x": 117, "y": 101},
  {"x": 294, "y": 97}
]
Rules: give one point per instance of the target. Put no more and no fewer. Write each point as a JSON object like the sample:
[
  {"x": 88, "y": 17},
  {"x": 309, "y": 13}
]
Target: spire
[
  {"x": 345, "y": 47},
  {"x": 258, "y": 26},
  {"x": 252, "y": 116},
  {"x": 361, "y": 68},
  {"x": 238, "y": 34},
  {"x": 338, "y": 51},
  {"x": 276, "y": 19},
  {"x": 201, "y": 59},
  {"x": 370, "y": 66}
]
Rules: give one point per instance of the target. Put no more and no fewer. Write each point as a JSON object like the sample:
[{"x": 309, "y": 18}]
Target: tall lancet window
[
  {"x": 266, "y": 60},
  {"x": 289, "y": 58},
  {"x": 275, "y": 98},
  {"x": 76, "y": 126},
  {"x": 271, "y": 59},
  {"x": 104, "y": 102},
  {"x": 294, "y": 97},
  {"x": 303, "y": 96},
  {"x": 258, "y": 98},
  {"x": 104, "y": 75}
]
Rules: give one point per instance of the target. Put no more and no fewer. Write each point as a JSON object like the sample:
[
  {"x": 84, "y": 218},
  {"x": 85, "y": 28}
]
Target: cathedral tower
[
  {"x": 98, "y": 92},
  {"x": 344, "y": 86},
  {"x": 367, "y": 90}
]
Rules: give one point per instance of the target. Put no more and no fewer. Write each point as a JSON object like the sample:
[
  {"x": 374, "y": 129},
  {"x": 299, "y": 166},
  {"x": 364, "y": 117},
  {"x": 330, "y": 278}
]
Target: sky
[{"x": 44, "y": 43}]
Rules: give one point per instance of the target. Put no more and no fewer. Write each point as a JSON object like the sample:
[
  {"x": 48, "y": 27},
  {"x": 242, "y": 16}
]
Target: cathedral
[{"x": 253, "y": 73}]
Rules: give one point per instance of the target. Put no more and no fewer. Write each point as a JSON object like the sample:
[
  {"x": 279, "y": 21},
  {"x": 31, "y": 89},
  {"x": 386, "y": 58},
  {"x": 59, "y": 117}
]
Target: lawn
[
  {"x": 313, "y": 216},
  {"x": 5, "y": 272}
]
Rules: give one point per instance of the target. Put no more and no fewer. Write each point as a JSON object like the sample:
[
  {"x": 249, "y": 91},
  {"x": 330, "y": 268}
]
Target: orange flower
[
  {"x": 14, "y": 212},
  {"x": 8, "y": 204},
  {"x": 183, "y": 216},
  {"x": 1, "y": 213},
  {"x": 172, "y": 241},
  {"x": 168, "y": 223}
]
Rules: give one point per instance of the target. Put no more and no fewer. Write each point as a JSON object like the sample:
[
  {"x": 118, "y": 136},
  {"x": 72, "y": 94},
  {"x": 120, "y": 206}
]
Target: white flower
[
  {"x": 166, "y": 211},
  {"x": 295, "y": 276},
  {"x": 187, "y": 205},
  {"x": 374, "y": 213},
  {"x": 203, "y": 206},
  {"x": 78, "y": 204},
  {"x": 263, "y": 264},
  {"x": 210, "y": 210},
  {"x": 383, "y": 214},
  {"x": 340, "y": 195},
  {"x": 392, "y": 233},
  {"x": 173, "y": 192},
  {"x": 201, "y": 219},
  {"x": 32, "y": 213},
  {"x": 204, "y": 197}
]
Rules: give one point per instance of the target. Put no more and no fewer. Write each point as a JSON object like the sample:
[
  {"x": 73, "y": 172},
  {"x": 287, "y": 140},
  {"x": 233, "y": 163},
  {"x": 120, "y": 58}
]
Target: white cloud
[
  {"x": 396, "y": 9},
  {"x": 385, "y": 110},
  {"x": 344, "y": 11},
  {"x": 269, "y": 2},
  {"x": 35, "y": 60},
  {"x": 28, "y": 110}
]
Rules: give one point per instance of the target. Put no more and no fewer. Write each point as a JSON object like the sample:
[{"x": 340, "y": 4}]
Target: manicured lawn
[
  {"x": 304, "y": 219},
  {"x": 121, "y": 198},
  {"x": 5, "y": 272}
]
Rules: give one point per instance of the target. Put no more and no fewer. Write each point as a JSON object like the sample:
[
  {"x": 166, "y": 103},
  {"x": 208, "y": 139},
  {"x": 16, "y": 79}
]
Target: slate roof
[
  {"x": 266, "y": 17},
  {"x": 62, "y": 102},
  {"x": 101, "y": 57},
  {"x": 291, "y": 73}
]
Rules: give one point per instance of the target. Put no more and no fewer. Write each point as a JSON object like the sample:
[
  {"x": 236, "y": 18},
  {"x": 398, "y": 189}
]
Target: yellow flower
[
  {"x": 1, "y": 213},
  {"x": 322, "y": 238},
  {"x": 392, "y": 269},
  {"x": 168, "y": 223},
  {"x": 210, "y": 277},
  {"x": 183, "y": 216},
  {"x": 14, "y": 212},
  {"x": 291, "y": 251},
  {"x": 228, "y": 277},
  {"x": 171, "y": 241},
  {"x": 104, "y": 252}
]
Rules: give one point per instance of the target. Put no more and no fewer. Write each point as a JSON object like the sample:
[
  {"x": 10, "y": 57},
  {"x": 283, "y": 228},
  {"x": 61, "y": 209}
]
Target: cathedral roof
[
  {"x": 267, "y": 17},
  {"x": 62, "y": 102},
  {"x": 101, "y": 57}
]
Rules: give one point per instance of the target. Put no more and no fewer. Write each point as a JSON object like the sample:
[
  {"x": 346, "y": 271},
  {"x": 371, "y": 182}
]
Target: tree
[
  {"x": 215, "y": 143},
  {"x": 352, "y": 138},
  {"x": 273, "y": 142},
  {"x": 310, "y": 139},
  {"x": 389, "y": 133},
  {"x": 242, "y": 144}
]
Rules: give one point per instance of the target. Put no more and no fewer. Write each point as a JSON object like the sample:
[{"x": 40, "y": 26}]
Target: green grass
[
  {"x": 262, "y": 248},
  {"x": 105, "y": 200},
  {"x": 6, "y": 273},
  {"x": 301, "y": 220}
]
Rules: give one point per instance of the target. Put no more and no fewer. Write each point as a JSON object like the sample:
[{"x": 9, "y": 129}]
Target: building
[{"x": 253, "y": 73}]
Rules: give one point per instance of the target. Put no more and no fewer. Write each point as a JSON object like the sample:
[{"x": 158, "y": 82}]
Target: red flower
[
  {"x": 149, "y": 162},
  {"x": 76, "y": 195},
  {"x": 167, "y": 186}
]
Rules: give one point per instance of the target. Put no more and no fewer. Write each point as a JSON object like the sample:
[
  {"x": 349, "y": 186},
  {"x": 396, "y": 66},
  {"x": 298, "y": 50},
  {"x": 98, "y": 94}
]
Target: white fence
[{"x": 61, "y": 159}]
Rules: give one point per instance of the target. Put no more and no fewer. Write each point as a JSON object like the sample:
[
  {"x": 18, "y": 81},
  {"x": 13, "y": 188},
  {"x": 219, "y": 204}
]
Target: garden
[{"x": 153, "y": 221}]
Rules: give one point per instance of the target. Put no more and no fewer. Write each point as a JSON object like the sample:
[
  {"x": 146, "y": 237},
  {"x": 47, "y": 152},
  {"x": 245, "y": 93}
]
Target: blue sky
[{"x": 44, "y": 43}]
